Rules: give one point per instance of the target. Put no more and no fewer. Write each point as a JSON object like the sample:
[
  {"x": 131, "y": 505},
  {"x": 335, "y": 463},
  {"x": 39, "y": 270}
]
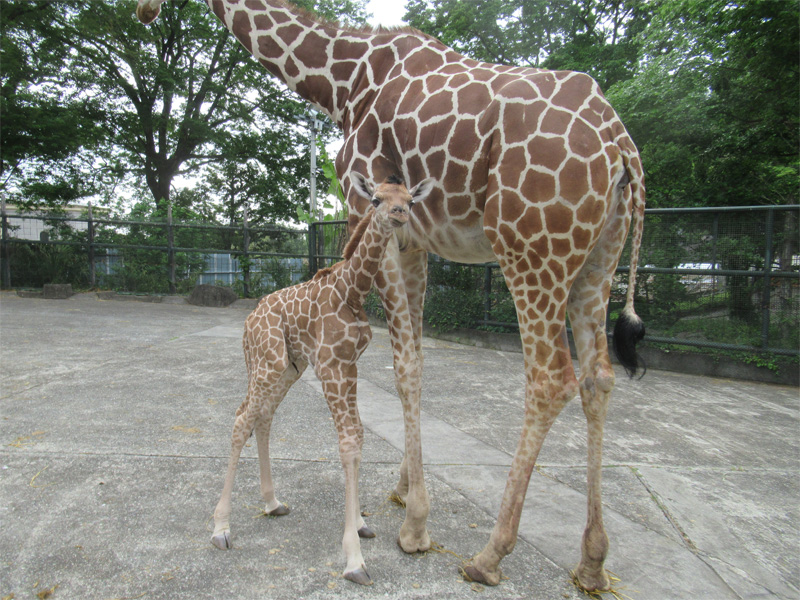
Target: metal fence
[
  {"x": 726, "y": 278},
  {"x": 163, "y": 257}
]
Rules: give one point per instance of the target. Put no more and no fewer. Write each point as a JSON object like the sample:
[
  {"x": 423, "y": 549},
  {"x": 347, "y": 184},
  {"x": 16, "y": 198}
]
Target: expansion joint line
[{"x": 683, "y": 535}]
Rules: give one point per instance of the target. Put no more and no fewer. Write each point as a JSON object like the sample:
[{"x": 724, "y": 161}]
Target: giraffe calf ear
[
  {"x": 421, "y": 191},
  {"x": 362, "y": 185}
]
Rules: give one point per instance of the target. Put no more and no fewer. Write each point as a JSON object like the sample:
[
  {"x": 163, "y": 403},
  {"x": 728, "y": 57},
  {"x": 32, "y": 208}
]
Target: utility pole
[
  {"x": 315, "y": 124},
  {"x": 313, "y": 243}
]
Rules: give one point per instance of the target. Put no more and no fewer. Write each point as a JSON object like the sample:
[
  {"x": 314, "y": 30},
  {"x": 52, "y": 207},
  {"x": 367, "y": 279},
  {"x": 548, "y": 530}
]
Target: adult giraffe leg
[
  {"x": 540, "y": 298},
  {"x": 596, "y": 382},
  {"x": 550, "y": 384},
  {"x": 398, "y": 274},
  {"x": 414, "y": 269},
  {"x": 587, "y": 306}
]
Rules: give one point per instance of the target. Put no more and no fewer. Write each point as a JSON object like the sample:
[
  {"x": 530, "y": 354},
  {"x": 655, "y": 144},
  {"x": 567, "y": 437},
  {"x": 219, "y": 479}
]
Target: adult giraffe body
[{"x": 534, "y": 170}]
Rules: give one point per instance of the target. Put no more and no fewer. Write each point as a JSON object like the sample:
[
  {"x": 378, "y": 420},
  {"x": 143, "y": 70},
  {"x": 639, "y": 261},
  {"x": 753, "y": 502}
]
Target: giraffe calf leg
[
  {"x": 221, "y": 538},
  {"x": 273, "y": 507},
  {"x": 255, "y": 413},
  {"x": 355, "y": 570}
]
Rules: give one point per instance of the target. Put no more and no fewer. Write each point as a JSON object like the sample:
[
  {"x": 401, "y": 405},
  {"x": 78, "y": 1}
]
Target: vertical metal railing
[
  {"x": 5, "y": 277},
  {"x": 90, "y": 249},
  {"x": 245, "y": 259},
  {"x": 173, "y": 288},
  {"x": 767, "y": 280}
]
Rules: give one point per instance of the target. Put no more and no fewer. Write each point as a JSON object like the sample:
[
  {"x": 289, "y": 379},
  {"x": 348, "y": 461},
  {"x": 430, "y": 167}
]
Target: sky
[{"x": 386, "y": 12}]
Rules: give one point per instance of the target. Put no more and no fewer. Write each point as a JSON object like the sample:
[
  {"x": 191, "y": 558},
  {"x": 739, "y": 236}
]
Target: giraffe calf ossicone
[{"x": 320, "y": 323}]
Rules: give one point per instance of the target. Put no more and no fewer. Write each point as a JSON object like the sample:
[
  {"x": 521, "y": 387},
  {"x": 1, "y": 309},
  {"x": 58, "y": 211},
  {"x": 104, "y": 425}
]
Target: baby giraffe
[{"x": 320, "y": 323}]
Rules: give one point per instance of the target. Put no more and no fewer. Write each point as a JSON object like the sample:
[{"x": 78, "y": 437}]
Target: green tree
[
  {"x": 268, "y": 172},
  {"x": 46, "y": 130},
  {"x": 714, "y": 107},
  {"x": 598, "y": 37},
  {"x": 176, "y": 97},
  {"x": 714, "y": 110}
]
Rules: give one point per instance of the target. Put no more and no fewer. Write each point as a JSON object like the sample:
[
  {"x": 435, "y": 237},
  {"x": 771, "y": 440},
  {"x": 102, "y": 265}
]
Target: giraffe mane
[
  {"x": 358, "y": 233},
  {"x": 350, "y": 247},
  {"x": 324, "y": 272}
]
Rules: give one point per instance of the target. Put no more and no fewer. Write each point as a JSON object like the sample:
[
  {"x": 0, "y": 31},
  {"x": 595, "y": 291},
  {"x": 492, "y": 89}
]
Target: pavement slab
[{"x": 115, "y": 422}]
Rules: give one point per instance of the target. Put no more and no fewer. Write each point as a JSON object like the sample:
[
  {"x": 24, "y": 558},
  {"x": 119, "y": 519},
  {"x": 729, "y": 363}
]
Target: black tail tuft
[{"x": 627, "y": 332}]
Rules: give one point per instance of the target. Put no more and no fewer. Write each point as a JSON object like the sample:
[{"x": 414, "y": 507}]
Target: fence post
[
  {"x": 245, "y": 258},
  {"x": 321, "y": 242},
  {"x": 714, "y": 239},
  {"x": 6, "y": 277},
  {"x": 92, "y": 275},
  {"x": 171, "y": 251},
  {"x": 312, "y": 249},
  {"x": 765, "y": 296},
  {"x": 487, "y": 294}
]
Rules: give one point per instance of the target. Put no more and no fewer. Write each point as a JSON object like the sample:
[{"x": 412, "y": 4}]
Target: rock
[
  {"x": 212, "y": 295},
  {"x": 57, "y": 291}
]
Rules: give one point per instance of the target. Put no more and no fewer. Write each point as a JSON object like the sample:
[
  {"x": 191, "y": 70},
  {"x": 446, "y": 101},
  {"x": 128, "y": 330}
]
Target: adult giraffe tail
[{"x": 629, "y": 328}]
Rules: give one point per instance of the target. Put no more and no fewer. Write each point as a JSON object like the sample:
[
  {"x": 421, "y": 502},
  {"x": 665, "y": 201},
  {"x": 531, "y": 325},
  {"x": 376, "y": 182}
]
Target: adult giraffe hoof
[
  {"x": 366, "y": 532},
  {"x": 278, "y": 511},
  {"x": 359, "y": 576},
  {"x": 591, "y": 580},
  {"x": 222, "y": 540},
  {"x": 410, "y": 543},
  {"x": 486, "y": 577}
]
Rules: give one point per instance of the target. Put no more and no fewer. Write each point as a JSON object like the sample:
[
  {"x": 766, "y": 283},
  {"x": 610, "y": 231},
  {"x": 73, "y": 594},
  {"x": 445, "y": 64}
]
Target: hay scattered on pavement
[
  {"x": 615, "y": 592},
  {"x": 30, "y": 483}
]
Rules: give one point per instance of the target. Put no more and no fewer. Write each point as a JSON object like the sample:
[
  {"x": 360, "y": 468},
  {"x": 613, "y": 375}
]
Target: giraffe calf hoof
[
  {"x": 222, "y": 540},
  {"x": 359, "y": 576},
  {"x": 366, "y": 532},
  {"x": 279, "y": 511}
]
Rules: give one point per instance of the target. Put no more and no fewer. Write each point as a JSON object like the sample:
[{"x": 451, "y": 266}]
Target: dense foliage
[{"x": 95, "y": 104}]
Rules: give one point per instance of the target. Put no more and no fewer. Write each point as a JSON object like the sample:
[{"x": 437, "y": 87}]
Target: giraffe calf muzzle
[{"x": 398, "y": 216}]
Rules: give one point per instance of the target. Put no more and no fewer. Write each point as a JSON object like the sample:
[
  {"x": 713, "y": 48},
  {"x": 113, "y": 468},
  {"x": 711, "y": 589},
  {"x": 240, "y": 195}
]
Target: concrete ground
[{"x": 114, "y": 435}]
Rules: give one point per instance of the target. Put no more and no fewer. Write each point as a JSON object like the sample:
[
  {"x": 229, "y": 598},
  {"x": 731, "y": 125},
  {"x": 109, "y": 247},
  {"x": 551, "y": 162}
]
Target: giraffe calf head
[{"x": 392, "y": 199}]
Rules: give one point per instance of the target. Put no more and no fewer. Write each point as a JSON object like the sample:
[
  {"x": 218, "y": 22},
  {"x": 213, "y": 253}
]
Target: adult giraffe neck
[{"x": 331, "y": 66}]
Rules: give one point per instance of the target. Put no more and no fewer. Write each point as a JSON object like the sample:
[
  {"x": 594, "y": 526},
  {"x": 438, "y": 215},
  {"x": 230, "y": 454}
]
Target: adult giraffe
[{"x": 534, "y": 170}]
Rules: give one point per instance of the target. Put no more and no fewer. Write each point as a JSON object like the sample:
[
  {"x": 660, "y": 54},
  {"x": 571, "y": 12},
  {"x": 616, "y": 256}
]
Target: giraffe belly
[{"x": 459, "y": 244}]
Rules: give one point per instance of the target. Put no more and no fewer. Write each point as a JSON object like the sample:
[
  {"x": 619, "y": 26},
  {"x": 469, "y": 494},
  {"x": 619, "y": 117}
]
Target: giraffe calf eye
[{"x": 376, "y": 201}]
